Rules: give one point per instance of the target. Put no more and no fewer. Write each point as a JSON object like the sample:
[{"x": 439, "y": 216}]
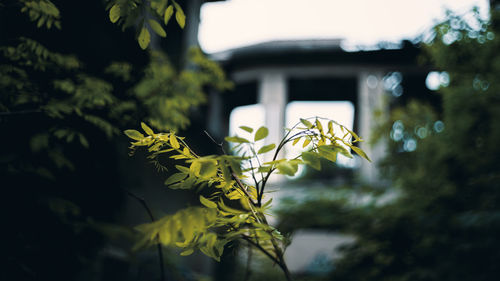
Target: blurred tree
[
  {"x": 70, "y": 81},
  {"x": 440, "y": 220}
]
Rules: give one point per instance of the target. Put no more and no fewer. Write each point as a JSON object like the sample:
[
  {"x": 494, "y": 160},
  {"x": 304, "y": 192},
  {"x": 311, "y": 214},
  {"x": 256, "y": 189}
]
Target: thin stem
[{"x": 148, "y": 210}]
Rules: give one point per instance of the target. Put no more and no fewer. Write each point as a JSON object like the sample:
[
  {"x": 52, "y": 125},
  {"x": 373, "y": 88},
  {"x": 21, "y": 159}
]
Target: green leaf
[
  {"x": 319, "y": 126},
  {"x": 312, "y": 159},
  {"x": 248, "y": 129},
  {"x": 287, "y": 168},
  {"x": 330, "y": 128},
  {"x": 360, "y": 152},
  {"x": 146, "y": 129},
  {"x": 156, "y": 26},
  {"x": 266, "y": 148},
  {"x": 208, "y": 168},
  {"x": 327, "y": 152},
  {"x": 187, "y": 252},
  {"x": 261, "y": 133},
  {"x": 83, "y": 140},
  {"x": 168, "y": 14},
  {"x": 183, "y": 169},
  {"x": 133, "y": 134},
  {"x": 308, "y": 124},
  {"x": 144, "y": 38},
  {"x": 207, "y": 203},
  {"x": 236, "y": 139},
  {"x": 114, "y": 13},
  {"x": 175, "y": 178},
  {"x": 174, "y": 142},
  {"x": 179, "y": 15},
  {"x": 295, "y": 141},
  {"x": 195, "y": 168},
  {"x": 306, "y": 142}
]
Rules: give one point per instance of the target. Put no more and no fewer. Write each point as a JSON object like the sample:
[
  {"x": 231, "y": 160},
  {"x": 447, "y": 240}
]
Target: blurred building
[{"x": 275, "y": 74}]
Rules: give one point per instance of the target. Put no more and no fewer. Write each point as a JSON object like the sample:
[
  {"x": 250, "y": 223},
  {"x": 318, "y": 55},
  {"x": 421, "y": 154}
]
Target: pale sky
[{"x": 235, "y": 23}]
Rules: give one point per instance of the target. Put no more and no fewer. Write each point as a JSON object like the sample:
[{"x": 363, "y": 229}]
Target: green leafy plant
[
  {"x": 235, "y": 207},
  {"x": 149, "y": 14}
]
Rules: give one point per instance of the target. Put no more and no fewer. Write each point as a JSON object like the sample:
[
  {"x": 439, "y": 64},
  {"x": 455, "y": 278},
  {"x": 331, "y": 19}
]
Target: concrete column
[
  {"x": 370, "y": 100},
  {"x": 273, "y": 96}
]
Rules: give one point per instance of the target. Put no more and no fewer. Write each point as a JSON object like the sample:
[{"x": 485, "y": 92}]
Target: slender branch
[
  {"x": 220, "y": 145},
  {"x": 160, "y": 252}
]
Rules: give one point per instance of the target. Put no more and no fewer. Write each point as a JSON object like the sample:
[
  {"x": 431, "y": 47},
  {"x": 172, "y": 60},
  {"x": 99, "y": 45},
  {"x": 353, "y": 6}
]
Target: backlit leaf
[
  {"x": 330, "y": 128},
  {"x": 114, "y": 13},
  {"x": 207, "y": 203},
  {"x": 327, "y": 152},
  {"x": 360, "y": 152},
  {"x": 168, "y": 14},
  {"x": 311, "y": 159},
  {"x": 174, "y": 142},
  {"x": 295, "y": 141},
  {"x": 156, "y": 26},
  {"x": 133, "y": 134},
  {"x": 144, "y": 38},
  {"x": 175, "y": 178},
  {"x": 306, "y": 142},
  {"x": 146, "y": 129},
  {"x": 287, "y": 168},
  {"x": 261, "y": 133},
  {"x": 308, "y": 124},
  {"x": 187, "y": 252},
  {"x": 208, "y": 168},
  {"x": 248, "y": 129},
  {"x": 319, "y": 126},
  {"x": 236, "y": 139},
  {"x": 266, "y": 148},
  {"x": 179, "y": 15}
]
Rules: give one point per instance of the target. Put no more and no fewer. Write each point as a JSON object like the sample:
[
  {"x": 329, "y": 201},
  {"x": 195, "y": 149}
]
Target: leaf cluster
[
  {"x": 43, "y": 12},
  {"x": 152, "y": 16},
  {"x": 234, "y": 179}
]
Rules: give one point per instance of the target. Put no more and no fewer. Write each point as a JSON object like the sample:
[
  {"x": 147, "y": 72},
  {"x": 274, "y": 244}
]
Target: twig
[{"x": 160, "y": 252}]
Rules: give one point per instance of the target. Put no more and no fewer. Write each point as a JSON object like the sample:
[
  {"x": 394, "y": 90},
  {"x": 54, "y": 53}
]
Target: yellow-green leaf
[
  {"x": 319, "y": 126},
  {"x": 295, "y": 141},
  {"x": 174, "y": 142},
  {"x": 236, "y": 139},
  {"x": 156, "y": 26},
  {"x": 114, "y": 13},
  {"x": 306, "y": 142},
  {"x": 261, "y": 133},
  {"x": 327, "y": 152},
  {"x": 187, "y": 252},
  {"x": 179, "y": 15},
  {"x": 311, "y": 159},
  {"x": 208, "y": 168},
  {"x": 175, "y": 178},
  {"x": 248, "y": 129},
  {"x": 182, "y": 169},
  {"x": 330, "y": 128},
  {"x": 361, "y": 153},
  {"x": 207, "y": 203},
  {"x": 287, "y": 168},
  {"x": 144, "y": 38},
  {"x": 168, "y": 14},
  {"x": 308, "y": 124},
  {"x": 133, "y": 134},
  {"x": 266, "y": 148},
  {"x": 146, "y": 129}
]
